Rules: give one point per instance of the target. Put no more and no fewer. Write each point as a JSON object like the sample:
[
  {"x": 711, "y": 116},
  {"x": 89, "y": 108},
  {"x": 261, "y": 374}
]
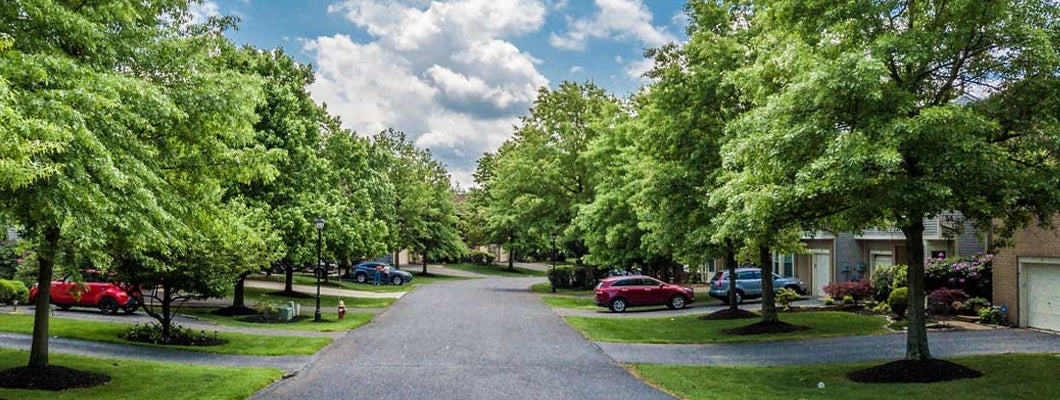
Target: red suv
[
  {"x": 96, "y": 290},
  {"x": 620, "y": 292}
]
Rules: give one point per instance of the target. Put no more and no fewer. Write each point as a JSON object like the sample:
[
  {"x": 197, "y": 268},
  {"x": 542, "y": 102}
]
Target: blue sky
[{"x": 454, "y": 75}]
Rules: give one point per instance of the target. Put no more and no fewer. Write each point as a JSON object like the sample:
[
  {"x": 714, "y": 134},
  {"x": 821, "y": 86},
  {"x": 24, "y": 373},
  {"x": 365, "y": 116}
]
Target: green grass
[
  {"x": 496, "y": 270},
  {"x": 330, "y": 323},
  {"x": 577, "y": 303},
  {"x": 134, "y": 380},
  {"x": 690, "y": 329},
  {"x": 238, "y": 343},
  {"x": 331, "y": 303},
  {"x": 546, "y": 287},
  {"x": 1011, "y": 376}
]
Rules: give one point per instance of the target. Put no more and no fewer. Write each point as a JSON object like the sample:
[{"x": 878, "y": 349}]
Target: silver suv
[{"x": 749, "y": 284}]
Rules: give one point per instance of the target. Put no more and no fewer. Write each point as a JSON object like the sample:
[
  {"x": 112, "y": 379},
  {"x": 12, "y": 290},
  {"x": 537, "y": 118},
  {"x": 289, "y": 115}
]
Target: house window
[{"x": 784, "y": 264}]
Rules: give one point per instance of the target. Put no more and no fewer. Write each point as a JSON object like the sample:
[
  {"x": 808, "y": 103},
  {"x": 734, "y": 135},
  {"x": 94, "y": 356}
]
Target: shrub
[
  {"x": 883, "y": 280},
  {"x": 573, "y": 277},
  {"x": 971, "y": 306},
  {"x": 267, "y": 309},
  {"x": 882, "y": 307},
  {"x": 972, "y": 274},
  {"x": 828, "y": 301},
  {"x": 857, "y": 291},
  {"x": 849, "y": 300},
  {"x": 941, "y": 300},
  {"x": 482, "y": 257},
  {"x": 10, "y": 258},
  {"x": 785, "y": 296},
  {"x": 11, "y": 291},
  {"x": 990, "y": 315},
  {"x": 898, "y": 301}
]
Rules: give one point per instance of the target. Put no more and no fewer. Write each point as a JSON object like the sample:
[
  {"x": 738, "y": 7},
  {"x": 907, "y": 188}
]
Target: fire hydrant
[{"x": 342, "y": 309}]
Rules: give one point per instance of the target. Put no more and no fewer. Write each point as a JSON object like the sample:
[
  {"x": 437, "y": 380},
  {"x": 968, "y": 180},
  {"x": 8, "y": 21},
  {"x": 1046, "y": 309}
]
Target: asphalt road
[{"x": 475, "y": 339}]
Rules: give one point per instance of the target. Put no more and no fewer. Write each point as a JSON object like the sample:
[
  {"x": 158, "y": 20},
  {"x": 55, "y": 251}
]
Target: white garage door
[{"x": 1041, "y": 291}]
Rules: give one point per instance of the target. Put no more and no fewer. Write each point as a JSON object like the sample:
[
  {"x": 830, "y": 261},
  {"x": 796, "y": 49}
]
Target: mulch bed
[
  {"x": 730, "y": 314},
  {"x": 906, "y": 371},
  {"x": 52, "y": 377},
  {"x": 261, "y": 319},
  {"x": 761, "y": 328},
  {"x": 231, "y": 311}
]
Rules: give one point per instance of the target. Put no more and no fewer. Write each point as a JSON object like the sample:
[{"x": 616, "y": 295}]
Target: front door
[{"x": 822, "y": 273}]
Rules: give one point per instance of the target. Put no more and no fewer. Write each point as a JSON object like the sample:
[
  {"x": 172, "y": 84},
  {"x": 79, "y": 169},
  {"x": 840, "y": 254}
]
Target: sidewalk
[{"x": 111, "y": 350}]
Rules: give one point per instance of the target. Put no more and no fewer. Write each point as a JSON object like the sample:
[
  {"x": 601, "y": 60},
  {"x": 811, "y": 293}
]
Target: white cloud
[
  {"x": 636, "y": 69},
  {"x": 577, "y": 69},
  {"x": 444, "y": 73},
  {"x": 618, "y": 58},
  {"x": 616, "y": 20},
  {"x": 200, "y": 12}
]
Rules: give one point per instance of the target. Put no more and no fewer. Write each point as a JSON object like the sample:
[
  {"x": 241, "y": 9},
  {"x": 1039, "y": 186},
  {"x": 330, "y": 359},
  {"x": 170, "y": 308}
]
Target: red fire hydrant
[{"x": 342, "y": 309}]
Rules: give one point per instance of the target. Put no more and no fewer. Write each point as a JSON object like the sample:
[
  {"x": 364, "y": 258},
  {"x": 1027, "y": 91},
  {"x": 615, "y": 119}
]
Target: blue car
[
  {"x": 749, "y": 284},
  {"x": 364, "y": 272}
]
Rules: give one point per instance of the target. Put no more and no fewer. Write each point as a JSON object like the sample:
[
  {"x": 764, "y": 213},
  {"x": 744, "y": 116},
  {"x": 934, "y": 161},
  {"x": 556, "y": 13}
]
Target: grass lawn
[
  {"x": 546, "y": 287},
  {"x": 497, "y": 270},
  {"x": 577, "y": 303},
  {"x": 1010, "y": 376},
  {"x": 238, "y": 343},
  {"x": 692, "y": 330},
  {"x": 136, "y": 379},
  {"x": 330, "y": 323},
  {"x": 331, "y": 303}
]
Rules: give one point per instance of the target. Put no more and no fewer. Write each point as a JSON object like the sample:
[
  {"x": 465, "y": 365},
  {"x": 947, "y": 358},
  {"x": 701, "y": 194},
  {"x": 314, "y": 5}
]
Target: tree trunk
[
  {"x": 916, "y": 333},
  {"x": 769, "y": 303},
  {"x": 730, "y": 263},
  {"x": 288, "y": 279},
  {"x": 38, "y": 353},
  {"x": 238, "y": 300},
  {"x": 425, "y": 261},
  {"x": 511, "y": 258},
  {"x": 167, "y": 316}
]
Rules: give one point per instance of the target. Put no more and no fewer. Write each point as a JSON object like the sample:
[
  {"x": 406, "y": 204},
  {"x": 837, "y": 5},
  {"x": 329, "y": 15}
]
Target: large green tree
[
  {"x": 888, "y": 112},
  {"x": 110, "y": 110}
]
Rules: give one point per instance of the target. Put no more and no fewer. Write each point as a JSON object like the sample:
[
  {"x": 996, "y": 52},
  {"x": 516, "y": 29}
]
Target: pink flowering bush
[{"x": 972, "y": 274}]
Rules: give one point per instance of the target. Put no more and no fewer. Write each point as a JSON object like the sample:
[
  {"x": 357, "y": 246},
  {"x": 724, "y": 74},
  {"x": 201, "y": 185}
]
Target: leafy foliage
[
  {"x": 12, "y": 291},
  {"x": 899, "y": 301},
  {"x": 971, "y": 274},
  {"x": 857, "y": 291}
]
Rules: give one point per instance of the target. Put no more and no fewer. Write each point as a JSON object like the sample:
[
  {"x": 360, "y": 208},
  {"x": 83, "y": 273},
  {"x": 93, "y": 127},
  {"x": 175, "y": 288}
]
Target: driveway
[{"x": 475, "y": 339}]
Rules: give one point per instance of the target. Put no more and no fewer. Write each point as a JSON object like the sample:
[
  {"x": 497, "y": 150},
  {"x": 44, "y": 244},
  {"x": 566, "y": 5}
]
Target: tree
[
  {"x": 540, "y": 179},
  {"x": 424, "y": 215},
  {"x": 108, "y": 110},
  {"x": 875, "y": 113}
]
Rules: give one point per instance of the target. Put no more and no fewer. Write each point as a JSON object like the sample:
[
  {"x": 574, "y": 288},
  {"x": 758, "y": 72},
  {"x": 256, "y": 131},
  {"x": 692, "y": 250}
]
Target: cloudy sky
[{"x": 455, "y": 75}]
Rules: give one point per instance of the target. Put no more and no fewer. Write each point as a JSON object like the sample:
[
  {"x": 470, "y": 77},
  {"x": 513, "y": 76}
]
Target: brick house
[{"x": 1027, "y": 278}]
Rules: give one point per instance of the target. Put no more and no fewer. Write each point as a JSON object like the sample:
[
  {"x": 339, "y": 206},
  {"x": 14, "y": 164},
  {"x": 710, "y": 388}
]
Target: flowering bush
[
  {"x": 941, "y": 300},
  {"x": 971, "y": 274},
  {"x": 859, "y": 290}
]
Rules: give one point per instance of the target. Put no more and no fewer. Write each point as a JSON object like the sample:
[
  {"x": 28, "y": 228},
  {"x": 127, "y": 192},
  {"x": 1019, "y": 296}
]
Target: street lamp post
[
  {"x": 553, "y": 263},
  {"x": 319, "y": 271}
]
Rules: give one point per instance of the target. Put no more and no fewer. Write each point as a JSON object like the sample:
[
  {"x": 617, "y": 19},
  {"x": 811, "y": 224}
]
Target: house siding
[
  {"x": 1029, "y": 242},
  {"x": 968, "y": 242}
]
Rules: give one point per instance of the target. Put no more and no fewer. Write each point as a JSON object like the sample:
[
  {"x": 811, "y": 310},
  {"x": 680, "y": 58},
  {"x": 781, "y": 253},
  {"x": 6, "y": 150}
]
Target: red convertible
[{"x": 95, "y": 290}]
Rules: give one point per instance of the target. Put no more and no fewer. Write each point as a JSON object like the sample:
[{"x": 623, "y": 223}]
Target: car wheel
[
  {"x": 362, "y": 278},
  {"x": 739, "y": 297},
  {"x": 108, "y": 305},
  {"x": 677, "y": 302},
  {"x": 397, "y": 280},
  {"x": 618, "y": 305},
  {"x": 131, "y": 309},
  {"x": 64, "y": 307}
]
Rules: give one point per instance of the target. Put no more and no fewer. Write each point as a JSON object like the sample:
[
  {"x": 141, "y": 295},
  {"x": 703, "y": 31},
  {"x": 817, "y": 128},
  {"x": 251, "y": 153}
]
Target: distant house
[{"x": 1027, "y": 278}]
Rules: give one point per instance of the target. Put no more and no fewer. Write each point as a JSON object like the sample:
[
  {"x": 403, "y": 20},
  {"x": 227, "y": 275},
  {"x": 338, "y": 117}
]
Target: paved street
[{"x": 475, "y": 339}]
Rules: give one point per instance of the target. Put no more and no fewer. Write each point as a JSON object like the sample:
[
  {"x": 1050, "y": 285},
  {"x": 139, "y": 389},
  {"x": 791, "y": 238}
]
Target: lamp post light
[
  {"x": 553, "y": 263},
  {"x": 319, "y": 271}
]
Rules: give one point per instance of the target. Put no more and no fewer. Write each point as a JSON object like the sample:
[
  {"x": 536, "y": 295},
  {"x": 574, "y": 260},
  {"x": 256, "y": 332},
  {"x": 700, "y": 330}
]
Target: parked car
[
  {"x": 621, "y": 292},
  {"x": 95, "y": 290},
  {"x": 749, "y": 284},
  {"x": 364, "y": 272}
]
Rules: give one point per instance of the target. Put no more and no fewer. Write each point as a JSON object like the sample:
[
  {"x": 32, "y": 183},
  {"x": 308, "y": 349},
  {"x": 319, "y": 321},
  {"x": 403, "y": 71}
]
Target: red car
[
  {"x": 620, "y": 292},
  {"x": 96, "y": 290}
]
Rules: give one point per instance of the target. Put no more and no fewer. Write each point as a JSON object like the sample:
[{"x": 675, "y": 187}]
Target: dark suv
[
  {"x": 749, "y": 284},
  {"x": 364, "y": 272}
]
